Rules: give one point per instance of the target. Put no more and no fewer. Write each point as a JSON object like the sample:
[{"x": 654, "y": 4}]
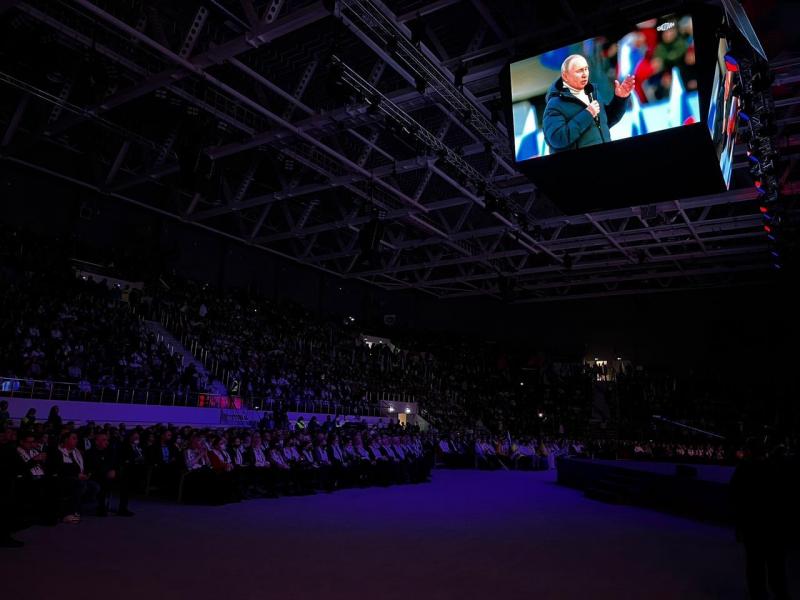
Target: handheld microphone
[{"x": 597, "y": 116}]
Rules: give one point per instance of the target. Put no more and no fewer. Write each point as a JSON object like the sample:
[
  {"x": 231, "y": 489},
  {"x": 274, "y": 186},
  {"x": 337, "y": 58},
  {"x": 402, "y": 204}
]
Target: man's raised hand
[{"x": 624, "y": 89}]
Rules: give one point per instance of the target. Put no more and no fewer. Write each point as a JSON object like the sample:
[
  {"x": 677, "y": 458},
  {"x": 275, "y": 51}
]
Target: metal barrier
[
  {"x": 321, "y": 407},
  {"x": 81, "y": 392}
]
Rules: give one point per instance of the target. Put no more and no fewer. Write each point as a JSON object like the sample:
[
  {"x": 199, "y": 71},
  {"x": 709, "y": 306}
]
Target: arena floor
[{"x": 467, "y": 535}]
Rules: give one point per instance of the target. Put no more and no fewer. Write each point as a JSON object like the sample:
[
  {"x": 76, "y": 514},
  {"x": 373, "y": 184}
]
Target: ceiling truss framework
[{"x": 225, "y": 115}]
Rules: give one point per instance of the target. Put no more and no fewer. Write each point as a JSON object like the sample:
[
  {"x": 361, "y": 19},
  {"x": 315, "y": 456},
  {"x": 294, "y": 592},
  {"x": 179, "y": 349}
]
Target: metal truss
[
  {"x": 379, "y": 28},
  {"x": 289, "y": 166}
]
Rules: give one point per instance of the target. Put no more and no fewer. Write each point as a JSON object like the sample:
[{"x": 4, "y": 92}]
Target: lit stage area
[{"x": 468, "y": 534}]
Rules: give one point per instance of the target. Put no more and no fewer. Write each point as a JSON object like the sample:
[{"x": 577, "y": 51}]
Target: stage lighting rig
[
  {"x": 373, "y": 22},
  {"x": 405, "y": 127},
  {"x": 758, "y": 126}
]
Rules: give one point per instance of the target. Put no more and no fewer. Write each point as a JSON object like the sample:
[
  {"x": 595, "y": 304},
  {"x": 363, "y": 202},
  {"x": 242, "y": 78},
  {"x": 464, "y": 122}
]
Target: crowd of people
[
  {"x": 274, "y": 351},
  {"x": 490, "y": 406},
  {"x": 59, "y": 326},
  {"x": 52, "y": 471}
]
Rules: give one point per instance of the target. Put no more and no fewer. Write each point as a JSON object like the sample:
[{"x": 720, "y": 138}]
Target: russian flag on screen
[{"x": 684, "y": 106}]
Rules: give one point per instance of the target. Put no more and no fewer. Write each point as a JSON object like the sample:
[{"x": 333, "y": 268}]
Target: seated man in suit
[
  {"x": 199, "y": 486},
  {"x": 399, "y": 468},
  {"x": 287, "y": 478},
  {"x": 366, "y": 465},
  {"x": 261, "y": 470},
  {"x": 340, "y": 463},
  {"x": 323, "y": 459},
  {"x": 105, "y": 470},
  {"x": 384, "y": 468},
  {"x": 227, "y": 483},
  {"x": 449, "y": 453},
  {"x": 164, "y": 459},
  {"x": 34, "y": 487}
]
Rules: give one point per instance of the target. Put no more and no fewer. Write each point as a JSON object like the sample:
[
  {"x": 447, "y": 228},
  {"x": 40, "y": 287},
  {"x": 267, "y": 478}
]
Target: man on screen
[{"x": 574, "y": 117}]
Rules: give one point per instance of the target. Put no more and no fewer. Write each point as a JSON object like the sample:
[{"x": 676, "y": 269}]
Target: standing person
[
  {"x": 761, "y": 493},
  {"x": 133, "y": 471},
  {"x": 29, "y": 420},
  {"x": 5, "y": 416},
  {"x": 574, "y": 116},
  {"x": 54, "y": 422},
  {"x": 67, "y": 463},
  {"x": 33, "y": 485},
  {"x": 7, "y": 481}
]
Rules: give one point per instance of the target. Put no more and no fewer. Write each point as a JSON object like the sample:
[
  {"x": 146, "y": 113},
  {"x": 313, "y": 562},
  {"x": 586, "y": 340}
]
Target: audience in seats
[{"x": 58, "y": 327}]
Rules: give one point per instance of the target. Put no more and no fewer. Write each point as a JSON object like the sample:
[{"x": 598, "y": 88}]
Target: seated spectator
[
  {"x": 262, "y": 475},
  {"x": 200, "y": 480},
  {"x": 227, "y": 482},
  {"x": 74, "y": 482},
  {"x": 283, "y": 471},
  {"x": 105, "y": 470},
  {"x": 33, "y": 487},
  {"x": 164, "y": 459}
]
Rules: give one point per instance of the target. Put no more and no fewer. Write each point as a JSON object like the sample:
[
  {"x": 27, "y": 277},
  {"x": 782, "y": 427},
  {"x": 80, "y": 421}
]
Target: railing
[
  {"x": 175, "y": 326},
  {"x": 318, "y": 406},
  {"x": 81, "y": 392},
  {"x": 400, "y": 397}
]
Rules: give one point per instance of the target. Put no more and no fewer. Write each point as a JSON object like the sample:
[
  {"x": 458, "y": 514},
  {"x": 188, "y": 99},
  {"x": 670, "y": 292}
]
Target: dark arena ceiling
[{"x": 230, "y": 115}]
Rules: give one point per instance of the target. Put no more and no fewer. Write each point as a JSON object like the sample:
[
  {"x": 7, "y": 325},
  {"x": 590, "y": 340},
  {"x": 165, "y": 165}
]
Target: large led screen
[
  {"x": 723, "y": 112},
  {"x": 612, "y": 89}
]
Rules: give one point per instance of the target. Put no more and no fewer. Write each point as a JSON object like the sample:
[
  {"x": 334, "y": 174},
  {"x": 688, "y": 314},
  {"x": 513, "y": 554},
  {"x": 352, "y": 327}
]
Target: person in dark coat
[
  {"x": 29, "y": 420},
  {"x": 104, "y": 467},
  {"x": 67, "y": 464},
  {"x": 7, "y": 489},
  {"x": 54, "y": 422},
  {"x": 34, "y": 486},
  {"x": 164, "y": 459},
  {"x": 574, "y": 116},
  {"x": 761, "y": 496},
  {"x": 133, "y": 469}
]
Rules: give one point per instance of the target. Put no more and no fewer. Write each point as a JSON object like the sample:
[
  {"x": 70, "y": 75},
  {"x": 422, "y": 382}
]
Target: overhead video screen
[
  {"x": 723, "y": 112},
  {"x": 603, "y": 89}
]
